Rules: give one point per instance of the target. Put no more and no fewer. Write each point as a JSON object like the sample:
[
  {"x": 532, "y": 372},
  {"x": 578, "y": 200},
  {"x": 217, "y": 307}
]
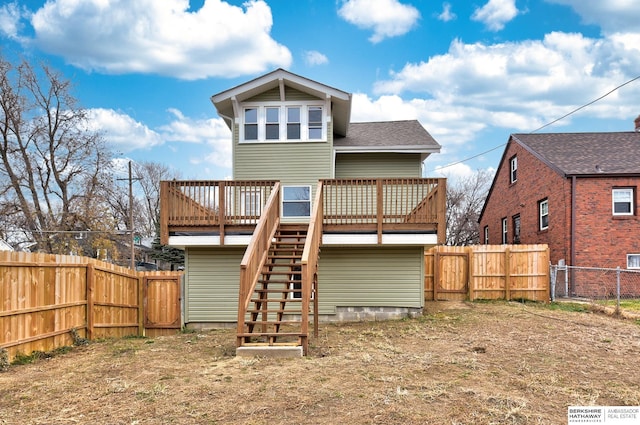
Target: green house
[{"x": 324, "y": 219}]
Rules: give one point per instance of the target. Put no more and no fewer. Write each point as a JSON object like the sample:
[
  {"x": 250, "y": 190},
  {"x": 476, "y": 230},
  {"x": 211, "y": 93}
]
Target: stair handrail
[
  {"x": 256, "y": 254},
  {"x": 309, "y": 263}
]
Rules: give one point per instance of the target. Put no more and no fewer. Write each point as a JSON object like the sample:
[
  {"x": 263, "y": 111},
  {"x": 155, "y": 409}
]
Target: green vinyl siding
[
  {"x": 352, "y": 165},
  {"x": 273, "y": 95},
  {"x": 212, "y": 281},
  {"x": 370, "y": 277}
]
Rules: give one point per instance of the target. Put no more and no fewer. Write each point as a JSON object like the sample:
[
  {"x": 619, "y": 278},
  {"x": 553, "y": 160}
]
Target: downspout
[{"x": 573, "y": 230}]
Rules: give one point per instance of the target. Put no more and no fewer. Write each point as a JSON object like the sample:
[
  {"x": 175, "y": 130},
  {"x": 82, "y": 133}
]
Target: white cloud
[
  {"x": 163, "y": 37},
  {"x": 496, "y": 13},
  {"x": 521, "y": 85},
  {"x": 611, "y": 15},
  {"x": 387, "y": 18},
  {"x": 213, "y": 132},
  {"x": 121, "y": 131},
  {"x": 125, "y": 134},
  {"x": 10, "y": 17},
  {"x": 446, "y": 15},
  {"x": 313, "y": 58}
]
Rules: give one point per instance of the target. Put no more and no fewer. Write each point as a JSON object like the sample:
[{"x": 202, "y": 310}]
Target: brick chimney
[{"x": 637, "y": 122}]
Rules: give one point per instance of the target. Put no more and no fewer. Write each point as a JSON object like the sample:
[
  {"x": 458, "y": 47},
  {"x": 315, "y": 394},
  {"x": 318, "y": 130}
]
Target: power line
[{"x": 546, "y": 125}]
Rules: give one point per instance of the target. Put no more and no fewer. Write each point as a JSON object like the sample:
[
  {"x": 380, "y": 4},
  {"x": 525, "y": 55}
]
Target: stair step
[
  {"x": 276, "y": 300},
  {"x": 274, "y": 291},
  {"x": 246, "y": 334},
  {"x": 281, "y": 310},
  {"x": 272, "y": 322}
]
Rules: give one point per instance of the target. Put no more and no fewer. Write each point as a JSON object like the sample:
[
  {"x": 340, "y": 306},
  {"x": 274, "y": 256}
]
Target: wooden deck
[{"x": 385, "y": 205}]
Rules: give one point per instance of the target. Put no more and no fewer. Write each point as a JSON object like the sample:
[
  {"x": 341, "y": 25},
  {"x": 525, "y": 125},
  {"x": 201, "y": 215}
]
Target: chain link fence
[{"x": 594, "y": 283}]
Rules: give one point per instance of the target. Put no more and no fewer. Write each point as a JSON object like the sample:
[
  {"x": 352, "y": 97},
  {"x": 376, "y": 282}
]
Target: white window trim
[
  {"x": 629, "y": 257},
  {"x": 613, "y": 202},
  {"x": 513, "y": 169},
  {"x": 304, "y": 121},
  {"x": 282, "y": 201},
  {"x": 540, "y": 215}
]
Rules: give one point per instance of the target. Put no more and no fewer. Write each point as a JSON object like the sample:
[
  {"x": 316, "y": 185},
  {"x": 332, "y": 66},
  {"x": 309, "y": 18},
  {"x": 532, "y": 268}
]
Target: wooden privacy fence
[
  {"x": 48, "y": 301},
  {"x": 487, "y": 272}
]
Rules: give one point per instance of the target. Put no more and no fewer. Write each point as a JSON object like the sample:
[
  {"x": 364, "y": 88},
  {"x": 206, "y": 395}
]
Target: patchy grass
[{"x": 460, "y": 363}]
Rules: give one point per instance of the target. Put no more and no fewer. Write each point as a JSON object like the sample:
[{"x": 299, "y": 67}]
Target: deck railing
[
  {"x": 211, "y": 205},
  {"x": 348, "y": 205},
  {"x": 387, "y": 204},
  {"x": 256, "y": 254}
]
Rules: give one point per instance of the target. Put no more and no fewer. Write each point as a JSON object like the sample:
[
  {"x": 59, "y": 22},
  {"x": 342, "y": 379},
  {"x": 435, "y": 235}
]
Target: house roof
[
  {"x": 341, "y": 100},
  {"x": 387, "y": 136},
  {"x": 585, "y": 154}
]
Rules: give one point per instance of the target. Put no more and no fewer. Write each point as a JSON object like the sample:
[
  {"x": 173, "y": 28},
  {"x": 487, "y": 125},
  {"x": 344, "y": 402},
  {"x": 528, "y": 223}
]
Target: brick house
[{"x": 576, "y": 192}]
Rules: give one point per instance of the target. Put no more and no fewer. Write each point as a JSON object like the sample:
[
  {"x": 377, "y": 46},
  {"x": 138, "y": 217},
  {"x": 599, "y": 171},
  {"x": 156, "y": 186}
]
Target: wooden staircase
[{"x": 275, "y": 310}]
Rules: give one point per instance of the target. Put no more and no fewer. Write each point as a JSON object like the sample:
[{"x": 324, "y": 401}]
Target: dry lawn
[{"x": 461, "y": 363}]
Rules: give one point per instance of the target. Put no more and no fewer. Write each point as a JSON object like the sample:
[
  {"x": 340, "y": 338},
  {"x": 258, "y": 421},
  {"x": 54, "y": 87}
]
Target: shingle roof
[
  {"x": 388, "y": 134},
  {"x": 580, "y": 153}
]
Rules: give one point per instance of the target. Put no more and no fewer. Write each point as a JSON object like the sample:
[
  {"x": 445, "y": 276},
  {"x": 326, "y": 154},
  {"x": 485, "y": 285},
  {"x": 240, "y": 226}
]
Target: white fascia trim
[
  {"x": 187, "y": 241},
  {"x": 280, "y": 75},
  {"x": 387, "y": 239},
  {"x": 385, "y": 149}
]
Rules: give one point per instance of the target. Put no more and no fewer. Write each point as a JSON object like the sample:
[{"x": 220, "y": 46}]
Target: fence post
[
  {"x": 436, "y": 272},
  {"x": 141, "y": 281},
  {"x": 553, "y": 272},
  {"x": 618, "y": 290},
  {"x": 507, "y": 274},
  {"x": 90, "y": 300}
]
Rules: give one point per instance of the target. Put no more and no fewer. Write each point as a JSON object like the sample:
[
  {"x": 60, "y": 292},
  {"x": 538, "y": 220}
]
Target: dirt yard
[{"x": 461, "y": 363}]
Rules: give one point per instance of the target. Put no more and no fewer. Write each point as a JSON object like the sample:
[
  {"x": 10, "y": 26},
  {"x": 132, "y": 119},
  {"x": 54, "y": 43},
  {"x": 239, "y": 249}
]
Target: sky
[{"x": 472, "y": 72}]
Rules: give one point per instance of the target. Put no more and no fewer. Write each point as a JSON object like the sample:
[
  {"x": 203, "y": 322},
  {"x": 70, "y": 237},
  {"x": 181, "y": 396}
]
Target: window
[
  {"x": 315, "y": 122},
  {"x": 504, "y": 230},
  {"x": 251, "y": 124},
  {"x": 272, "y": 126},
  {"x": 516, "y": 228},
  {"x": 543, "y": 209},
  {"x": 513, "y": 167},
  {"x": 274, "y": 123},
  {"x": 296, "y": 201},
  {"x": 633, "y": 261},
  {"x": 486, "y": 235},
  {"x": 622, "y": 200},
  {"x": 293, "y": 123}
]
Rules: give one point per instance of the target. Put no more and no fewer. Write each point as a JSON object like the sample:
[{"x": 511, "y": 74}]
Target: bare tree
[
  {"x": 465, "y": 199},
  {"x": 149, "y": 175},
  {"x": 50, "y": 160}
]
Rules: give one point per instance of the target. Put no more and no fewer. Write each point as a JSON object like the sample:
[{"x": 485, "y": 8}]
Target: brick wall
[
  {"x": 602, "y": 240},
  {"x": 535, "y": 182}
]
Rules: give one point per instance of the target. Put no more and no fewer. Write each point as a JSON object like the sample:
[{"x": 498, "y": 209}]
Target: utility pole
[
  {"x": 132, "y": 263},
  {"x": 131, "y": 240}
]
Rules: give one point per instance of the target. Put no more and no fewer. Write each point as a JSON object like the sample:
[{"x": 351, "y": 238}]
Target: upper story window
[
  {"x": 504, "y": 230},
  {"x": 486, "y": 235},
  {"x": 251, "y": 124},
  {"x": 293, "y": 123},
  {"x": 315, "y": 122},
  {"x": 272, "y": 124},
  {"x": 300, "y": 122},
  {"x": 622, "y": 200},
  {"x": 543, "y": 214},
  {"x": 513, "y": 169}
]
